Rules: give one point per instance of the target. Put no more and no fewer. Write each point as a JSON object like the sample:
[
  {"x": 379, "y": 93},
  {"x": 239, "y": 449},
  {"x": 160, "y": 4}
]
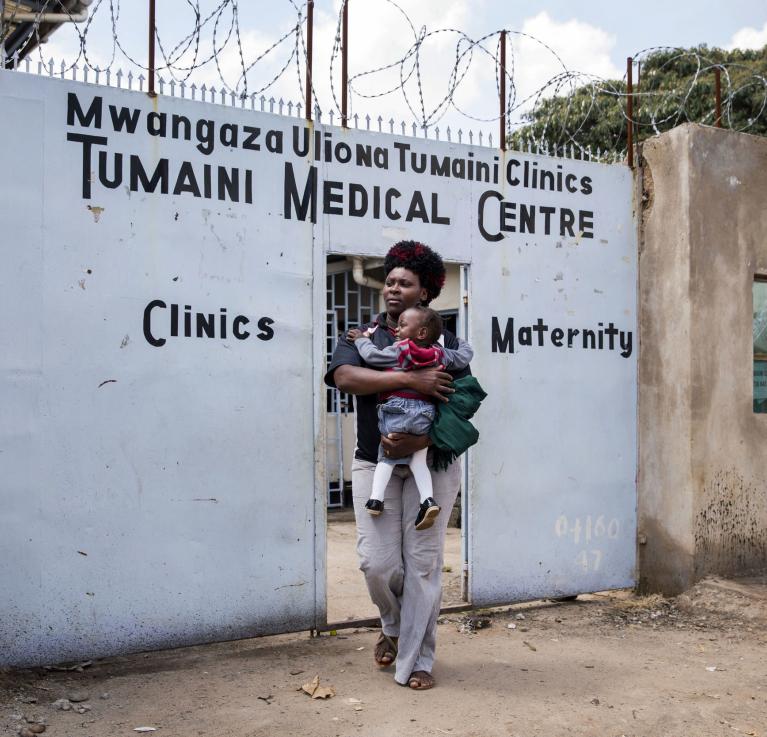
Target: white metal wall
[
  {"x": 553, "y": 478},
  {"x": 152, "y": 495}
]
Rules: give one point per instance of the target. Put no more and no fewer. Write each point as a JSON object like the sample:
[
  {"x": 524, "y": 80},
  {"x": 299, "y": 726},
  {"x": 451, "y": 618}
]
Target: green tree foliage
[{"x": 675, "y": 86}]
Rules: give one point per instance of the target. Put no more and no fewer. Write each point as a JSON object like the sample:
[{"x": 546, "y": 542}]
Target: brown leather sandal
[
  {"x": 421, "y": 680},
  {"x": 385, "y": 651}
]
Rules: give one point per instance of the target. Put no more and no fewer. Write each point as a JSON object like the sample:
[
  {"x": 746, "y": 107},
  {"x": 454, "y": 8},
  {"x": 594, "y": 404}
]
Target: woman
[{"x": 402, "y": 565}]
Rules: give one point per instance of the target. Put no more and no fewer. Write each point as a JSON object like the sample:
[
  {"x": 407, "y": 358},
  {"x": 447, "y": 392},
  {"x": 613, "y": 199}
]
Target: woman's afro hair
[{"x": 422, "y": 261}]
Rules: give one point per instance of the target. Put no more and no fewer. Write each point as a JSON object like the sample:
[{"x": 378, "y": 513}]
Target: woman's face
[{"x": 402, "y": 290}]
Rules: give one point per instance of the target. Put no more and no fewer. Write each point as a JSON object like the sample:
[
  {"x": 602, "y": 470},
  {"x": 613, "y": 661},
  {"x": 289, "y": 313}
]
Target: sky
[{"x": 593, "y": 38}]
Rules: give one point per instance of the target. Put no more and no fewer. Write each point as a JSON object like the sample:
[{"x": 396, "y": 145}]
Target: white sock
[
  {"x": 381, "y": 478},
  {"x": 421, "y": 474}
]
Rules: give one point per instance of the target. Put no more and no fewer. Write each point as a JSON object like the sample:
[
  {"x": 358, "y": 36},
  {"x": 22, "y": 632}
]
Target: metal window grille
[{"x": 349, "y": 305}]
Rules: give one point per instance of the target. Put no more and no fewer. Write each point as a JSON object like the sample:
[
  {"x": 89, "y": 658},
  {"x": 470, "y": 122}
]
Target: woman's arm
[
  {"x": 359, "y": 380},
  {"x": 400, "y": 445}
]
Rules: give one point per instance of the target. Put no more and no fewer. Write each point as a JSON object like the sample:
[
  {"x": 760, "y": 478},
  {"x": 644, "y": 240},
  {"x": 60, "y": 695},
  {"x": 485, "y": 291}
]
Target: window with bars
[{"x": 348, "y": 305}]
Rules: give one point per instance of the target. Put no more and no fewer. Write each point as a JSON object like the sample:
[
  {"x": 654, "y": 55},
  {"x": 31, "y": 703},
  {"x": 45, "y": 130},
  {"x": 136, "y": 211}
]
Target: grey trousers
[{"x": 402, "y": 565}]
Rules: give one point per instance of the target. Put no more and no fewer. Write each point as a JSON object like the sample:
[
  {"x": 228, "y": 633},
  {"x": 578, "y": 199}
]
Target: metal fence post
[
  {"x": 503, "y": 90},
  {"x": 309, "y": 53},
  {"x": 345, "y": 64},
  {"x": 151, "y": 69},
  {"x": 630, "y": 111},
  {"x": 637, "y": 103},
  {"x": 718, "y": 96}
]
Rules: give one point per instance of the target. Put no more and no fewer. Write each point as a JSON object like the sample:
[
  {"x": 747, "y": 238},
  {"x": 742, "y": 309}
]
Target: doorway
[{"x": 353, "y": 296}]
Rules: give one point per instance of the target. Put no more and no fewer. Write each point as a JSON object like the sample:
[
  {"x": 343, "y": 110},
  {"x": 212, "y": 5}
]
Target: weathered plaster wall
[
  {"x": 728, "y": 239},
  {"x": 665, "y": 366},
  {"x": 703, "y": 452}
]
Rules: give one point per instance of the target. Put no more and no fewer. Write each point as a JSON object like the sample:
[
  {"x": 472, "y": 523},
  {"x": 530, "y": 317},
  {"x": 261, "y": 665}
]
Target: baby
[{"x": 403, "y": 411}]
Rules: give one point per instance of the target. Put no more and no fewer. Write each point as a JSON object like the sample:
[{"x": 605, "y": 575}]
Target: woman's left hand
[{"x": 400, "y": 445}]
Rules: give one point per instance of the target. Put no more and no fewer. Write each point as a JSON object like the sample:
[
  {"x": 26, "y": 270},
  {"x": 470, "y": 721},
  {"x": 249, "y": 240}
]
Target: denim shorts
[{"x": 400, "y": 414}]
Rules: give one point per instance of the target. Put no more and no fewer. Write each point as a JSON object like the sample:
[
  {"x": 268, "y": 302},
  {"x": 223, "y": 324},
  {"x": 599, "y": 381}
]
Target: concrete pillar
[{"x": 702, "y": 450}]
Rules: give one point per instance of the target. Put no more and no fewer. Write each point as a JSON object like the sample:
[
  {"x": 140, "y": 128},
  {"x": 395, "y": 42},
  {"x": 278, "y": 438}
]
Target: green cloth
[{"x": 451, "y": 432}]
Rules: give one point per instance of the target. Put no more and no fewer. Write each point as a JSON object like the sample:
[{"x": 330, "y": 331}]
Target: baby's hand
[
  {"x": 353, "y": 334},
  {"x": 370, "y": 331}
]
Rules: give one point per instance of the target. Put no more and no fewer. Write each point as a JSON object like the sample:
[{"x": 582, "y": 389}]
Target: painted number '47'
[{"x": 589, "y": 560}]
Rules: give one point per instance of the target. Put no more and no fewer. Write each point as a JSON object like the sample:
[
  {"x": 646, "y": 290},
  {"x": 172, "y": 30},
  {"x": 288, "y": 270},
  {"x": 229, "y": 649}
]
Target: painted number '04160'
[{"x": 585, "y": 530}]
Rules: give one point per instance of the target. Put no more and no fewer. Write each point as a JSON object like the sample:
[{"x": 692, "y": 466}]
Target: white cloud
[
  {"x": 379, "y": 35},
  {"x": 580, "y": 47},
  {"x": 543, "y": 48},
  {"x": 748, "y": 38}
]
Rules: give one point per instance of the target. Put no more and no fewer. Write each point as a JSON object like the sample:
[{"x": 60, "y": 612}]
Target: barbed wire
[{"x": 567, "y": 110}]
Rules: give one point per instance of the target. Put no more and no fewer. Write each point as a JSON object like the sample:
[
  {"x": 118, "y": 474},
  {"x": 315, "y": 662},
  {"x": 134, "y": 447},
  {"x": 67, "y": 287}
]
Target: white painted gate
[
  {"x": 552, "y": 495},
  {"x": 163, "y": 339},
  {"x": 157, "y": 379},
  {"x": 552, "y": 481}
]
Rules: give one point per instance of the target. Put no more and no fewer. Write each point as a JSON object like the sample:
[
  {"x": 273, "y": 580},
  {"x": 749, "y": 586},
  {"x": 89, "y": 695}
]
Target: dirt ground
[{"x": 607, "y": 664}]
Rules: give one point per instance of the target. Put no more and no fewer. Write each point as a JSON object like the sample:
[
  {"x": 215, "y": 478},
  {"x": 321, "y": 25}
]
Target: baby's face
[{"x": 409, "y": 325}]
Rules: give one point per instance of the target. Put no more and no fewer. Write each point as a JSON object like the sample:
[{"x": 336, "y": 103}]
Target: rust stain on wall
[{"x": 730, "y": 525}]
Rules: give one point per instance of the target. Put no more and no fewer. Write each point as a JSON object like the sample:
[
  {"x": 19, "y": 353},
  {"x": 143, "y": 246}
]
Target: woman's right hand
[{"x": 431, "y": 382}]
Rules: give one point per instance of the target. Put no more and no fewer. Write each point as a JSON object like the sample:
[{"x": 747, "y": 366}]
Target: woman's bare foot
[
  {"x": 420, "y": 680},
  {"x": 385, "y": 650}
]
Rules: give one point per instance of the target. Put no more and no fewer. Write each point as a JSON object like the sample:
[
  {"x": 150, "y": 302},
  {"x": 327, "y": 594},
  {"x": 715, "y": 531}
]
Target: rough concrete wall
[
  {"x": 702, "y": 450},
  {"x": 728, "y": 245},
  {"x": 665, "y": 508}
]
